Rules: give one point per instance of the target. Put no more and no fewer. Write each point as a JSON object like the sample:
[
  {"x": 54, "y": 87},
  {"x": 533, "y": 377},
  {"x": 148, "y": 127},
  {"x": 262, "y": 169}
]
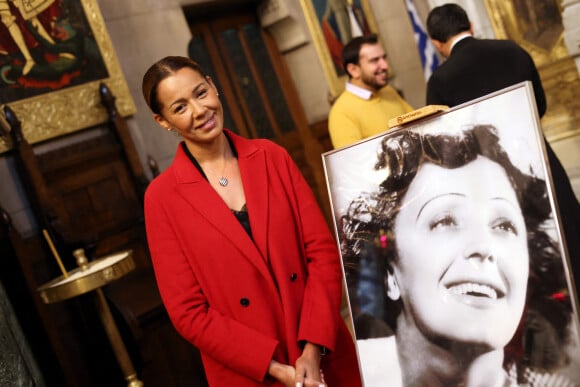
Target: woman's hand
[
  {"x": 308, "y": 373},
  {"x": 283, "y": 373}
]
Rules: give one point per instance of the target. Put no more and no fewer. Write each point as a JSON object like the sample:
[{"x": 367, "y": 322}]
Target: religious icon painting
[{"x": 54, "y": 55}]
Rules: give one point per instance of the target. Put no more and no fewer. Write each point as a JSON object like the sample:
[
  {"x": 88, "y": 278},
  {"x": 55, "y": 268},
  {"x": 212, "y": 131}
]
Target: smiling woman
[
  {"x": 469, "y": 264},
  {"x": 246, "y": 266},
  {"x": 475, "y": 237}
]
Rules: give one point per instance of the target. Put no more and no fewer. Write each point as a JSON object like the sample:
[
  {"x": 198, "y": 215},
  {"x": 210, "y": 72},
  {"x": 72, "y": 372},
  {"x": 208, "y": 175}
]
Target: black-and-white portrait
[{"x": 456, "y": 271}]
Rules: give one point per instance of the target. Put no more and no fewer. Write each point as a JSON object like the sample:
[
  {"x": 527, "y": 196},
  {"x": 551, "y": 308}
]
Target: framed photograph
[
  {"x": 452, "y": 250},
  {"x": 332, "y": 24},
  {"x": 53, "y": 56}
]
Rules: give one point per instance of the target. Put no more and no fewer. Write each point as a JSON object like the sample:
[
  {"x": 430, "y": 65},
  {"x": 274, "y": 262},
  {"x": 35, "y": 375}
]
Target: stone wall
[{"x": 17, "y": 366}]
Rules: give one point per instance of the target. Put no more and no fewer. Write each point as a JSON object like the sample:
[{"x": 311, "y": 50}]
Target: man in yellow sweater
[{"x": 368, "y": 102}]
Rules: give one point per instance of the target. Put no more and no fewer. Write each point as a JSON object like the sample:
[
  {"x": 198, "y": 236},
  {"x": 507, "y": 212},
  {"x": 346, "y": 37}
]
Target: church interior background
[{"x": 89, "y": 162}]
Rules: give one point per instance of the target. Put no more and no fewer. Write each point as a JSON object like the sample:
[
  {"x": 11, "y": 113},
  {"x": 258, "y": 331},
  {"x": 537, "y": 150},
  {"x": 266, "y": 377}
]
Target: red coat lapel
[{"x": 253, "y": 168}]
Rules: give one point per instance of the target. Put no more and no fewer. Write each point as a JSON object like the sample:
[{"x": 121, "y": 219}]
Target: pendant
[{"x": 223, "y": 181}]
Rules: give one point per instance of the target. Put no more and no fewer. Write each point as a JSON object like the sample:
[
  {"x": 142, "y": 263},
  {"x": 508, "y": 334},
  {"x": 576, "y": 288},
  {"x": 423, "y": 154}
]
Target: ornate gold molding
[
  {"x": 557, "y": 70},
  {"x": 65, "y": 111},
  {"x": 506, "y": 25},
  {"x": 562, "y": 85}
]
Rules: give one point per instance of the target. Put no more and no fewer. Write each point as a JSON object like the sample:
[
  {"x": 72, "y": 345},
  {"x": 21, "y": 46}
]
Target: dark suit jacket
[
  {"x": 477, "y": 67},
  {"x": 243, "y": 302}
]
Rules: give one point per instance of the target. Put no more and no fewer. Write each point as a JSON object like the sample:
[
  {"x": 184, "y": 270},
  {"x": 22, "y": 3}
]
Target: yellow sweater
[{"x": 353, "y": 118}]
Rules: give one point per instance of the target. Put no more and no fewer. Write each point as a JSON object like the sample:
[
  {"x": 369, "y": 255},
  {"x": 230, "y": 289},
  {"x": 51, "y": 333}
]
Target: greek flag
[{"x": 426, "y": 49}]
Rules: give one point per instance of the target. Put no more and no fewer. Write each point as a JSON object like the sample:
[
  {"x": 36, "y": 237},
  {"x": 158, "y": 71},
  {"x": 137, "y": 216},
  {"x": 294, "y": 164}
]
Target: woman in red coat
[{"x": 245, "y": 263}]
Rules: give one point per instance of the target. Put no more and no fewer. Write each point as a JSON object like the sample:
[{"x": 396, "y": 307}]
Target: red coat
[{"x": 244, "y": 302}]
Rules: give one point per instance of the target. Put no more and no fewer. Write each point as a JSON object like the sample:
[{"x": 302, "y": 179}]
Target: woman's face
[
  {"x": 190, "y": 105},
  {"x": 462, "y": 266}
]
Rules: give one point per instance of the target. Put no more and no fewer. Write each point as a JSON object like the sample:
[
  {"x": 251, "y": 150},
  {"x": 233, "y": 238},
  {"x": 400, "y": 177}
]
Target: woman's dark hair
[
  {"x": 161, "y": 70},
  {"x": 351, "y": 51},
  {"x": 372, "y": 216},
  {"x": 446, "y": 21}
]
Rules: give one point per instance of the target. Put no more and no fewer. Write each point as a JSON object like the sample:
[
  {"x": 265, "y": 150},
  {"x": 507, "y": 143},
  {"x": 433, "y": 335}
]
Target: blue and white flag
[
  {"x": 426, "y": 49},
  {"x": 355, "y": 28}
]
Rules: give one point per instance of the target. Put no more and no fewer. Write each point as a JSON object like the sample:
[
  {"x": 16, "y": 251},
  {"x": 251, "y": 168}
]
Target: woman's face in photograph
[{"x": 462, "y": 266}]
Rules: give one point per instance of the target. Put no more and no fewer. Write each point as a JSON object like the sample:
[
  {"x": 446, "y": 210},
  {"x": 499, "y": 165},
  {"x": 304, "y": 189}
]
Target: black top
[
  {"x": 242, "y": 214},
  {"x": 244, "y": 219}
]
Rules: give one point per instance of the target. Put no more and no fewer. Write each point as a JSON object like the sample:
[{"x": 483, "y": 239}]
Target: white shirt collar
[
  {"x": 359, "y": 91},
  {"x": 460, "y": 37}
]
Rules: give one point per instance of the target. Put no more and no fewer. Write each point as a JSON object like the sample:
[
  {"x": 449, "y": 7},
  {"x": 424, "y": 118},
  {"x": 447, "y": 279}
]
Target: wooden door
[{"x": 258, "y": 94}]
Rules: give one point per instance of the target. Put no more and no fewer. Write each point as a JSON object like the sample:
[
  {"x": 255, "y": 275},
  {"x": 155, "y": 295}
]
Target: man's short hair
[
  {"x": 447, "y": 21},
  {"x": 351, "y": 51}
]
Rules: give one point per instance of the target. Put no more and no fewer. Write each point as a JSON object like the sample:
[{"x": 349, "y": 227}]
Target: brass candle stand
[{"x": 92, "y": 276}]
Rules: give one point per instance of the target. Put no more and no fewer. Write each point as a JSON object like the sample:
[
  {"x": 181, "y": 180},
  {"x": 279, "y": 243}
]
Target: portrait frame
[
  {"x": 335, "y": 77},
  {"x": 78, "y": 107},
  {"x": 352, "y": 180}
]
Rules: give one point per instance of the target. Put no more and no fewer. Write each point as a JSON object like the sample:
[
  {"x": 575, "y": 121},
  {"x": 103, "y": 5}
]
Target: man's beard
[{"x": 371, "y": 81}]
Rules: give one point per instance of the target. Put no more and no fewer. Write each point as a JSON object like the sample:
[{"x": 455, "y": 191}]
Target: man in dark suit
[{"x": 476, "y": 67}]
